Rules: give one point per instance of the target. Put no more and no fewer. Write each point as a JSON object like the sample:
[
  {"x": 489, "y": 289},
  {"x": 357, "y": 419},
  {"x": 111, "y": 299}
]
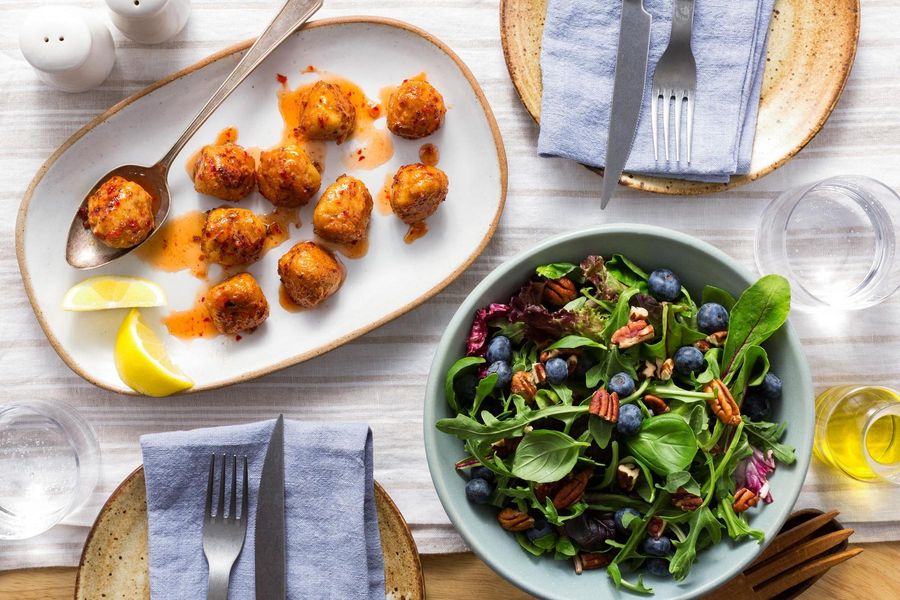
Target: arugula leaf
[
  {"x": 524, "y": 357},
  {"x": 712, "y": 293},
  {"x": 601, "y": 430},
  {"x": 680, "y": 479},
  {"x": 555, "y": 270},
  {"x": 675, "y": 334},
  {"x": 610, "y": 473},
  {"x": 665, "y": 443},
  {"x": 613, "y": 502},
  {"x": 627, "y": 272},
  {"x": 576, "y": 341},
  {"x": 702, "y": 521},
  {"x": 769, "y": 437},
  {"x": 545, "y": 455},
  {"x": 457, "y": 368},
  {"x": 673, "y": 392},
  {"x": 528, "y": 545},
  {"x": 466, "y": 428},
  {"x": 485, "y": 388},
  {"x": 565, "y": 548},
  {"x": 736, "y": 525},
  {"x": 760, "y": 311},
  {"x": 619, "y": 316},
  {"x": 616, "y": 575},
  {"x": 514, "y": 331}
]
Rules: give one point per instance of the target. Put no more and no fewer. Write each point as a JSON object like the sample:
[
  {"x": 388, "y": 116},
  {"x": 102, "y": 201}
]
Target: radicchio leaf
[
  {"x": 753, "y": 473},
  {"x": 590, "y": 530},
  {"x": 544, "y": 325},
  {"x": 593, "y": 269},
  {"x": 476, "y": 345}
]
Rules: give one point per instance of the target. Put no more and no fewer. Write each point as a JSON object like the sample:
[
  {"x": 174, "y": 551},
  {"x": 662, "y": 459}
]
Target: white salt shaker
[
  {"x": 149, "y": 21},
  {"x": 70, "y": 48}
]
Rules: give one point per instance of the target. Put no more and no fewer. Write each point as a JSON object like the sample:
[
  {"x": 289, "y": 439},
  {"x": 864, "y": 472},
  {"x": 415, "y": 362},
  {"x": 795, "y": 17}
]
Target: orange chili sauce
[
  {"x": 383, "y": 197},
  {"x": 352, "y": 251},
  {"x": 429, "y": 155},
  {"x": 176, "y": 245},
  {"x": 285, "y": 301},
  {"x": 416, "y": 230},
  {"x": 192, "y": 323},
  {"x": 278, "y": 228}
]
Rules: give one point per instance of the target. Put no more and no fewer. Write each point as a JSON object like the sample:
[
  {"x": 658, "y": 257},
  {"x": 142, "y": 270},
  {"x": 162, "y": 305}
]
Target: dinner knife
[
  {"x": 269, "y": 540},
  {"x": 628, "y": 92}
]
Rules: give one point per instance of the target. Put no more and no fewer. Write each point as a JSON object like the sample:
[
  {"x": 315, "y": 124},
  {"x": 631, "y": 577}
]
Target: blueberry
[
  {"x": 658, "y": 567},
  {"x": 622, "y": 384},
  {"x": 664, "y": 285},
  {"x": 657, "y": 547},
  {"x": 499, "y": 349},
  {"x": 478, "y": 491},
  {"x": 557, "y": 370},
  {"x": 541, "y": 528},
  {"x": 482, "y": 473},
  {"x": 503, "y": 371},
  {"x": 689, "y": 360},
  {"x": 756, "y": 407},
  {"x": 620, "y": 514},
  {"x": 712, "y": 317},
  {"x": 465, "y": 385},
  {"x": 630, "y": 419},
  {"x": 771, "y": 386}
]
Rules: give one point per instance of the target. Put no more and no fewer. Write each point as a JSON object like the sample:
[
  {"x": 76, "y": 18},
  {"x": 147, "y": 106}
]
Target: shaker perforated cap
[
  {"x": 136, "y": 8},
  {"x": 55, "y": 38}
]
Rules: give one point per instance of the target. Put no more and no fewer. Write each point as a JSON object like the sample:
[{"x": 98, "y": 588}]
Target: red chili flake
[
  {"x": 374, "y": 111},
  {"x": 237, "y": 338},
  {"x": 362, "y": 158},
  {"x": 310, "y": 68},
  {"x": 281, "y": 79}
]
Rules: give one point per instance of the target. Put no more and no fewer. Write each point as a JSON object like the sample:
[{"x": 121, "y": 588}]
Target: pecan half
[
  {"x": 744, "y": 499},
  {"x": 514, "y": 520},
  {"x": 587, "y": 561},
  {"x": 538, "y": 373},
  {"x": 637, "y": 313},
  {"x": 702, "y": 345},
  {"x": 665, "y": 369},
  {"x": 523, "y": 385},
  {"x": 723, "y": 404},
  {"x": 559, "y": 292},
  {"x": 656, "y": 404},
  {"x": 572, "y": 490},
  {"x": 605, "y": 405},
  {"x": 655, "y": 527},
  {"x": 686, "y": 501},
  {"x": 627, "y": 475},
  {"x": 632, "y": 334},
  {"x": 717, "y": 339},
  {"x": 649, "y": 369},
  {"x": 543, "y": 490}
]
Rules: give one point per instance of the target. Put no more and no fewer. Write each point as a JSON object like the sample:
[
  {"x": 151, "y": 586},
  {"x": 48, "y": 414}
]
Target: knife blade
[
  {"x": 269, "y": 539},
  {"x": 628, "y": 92}
]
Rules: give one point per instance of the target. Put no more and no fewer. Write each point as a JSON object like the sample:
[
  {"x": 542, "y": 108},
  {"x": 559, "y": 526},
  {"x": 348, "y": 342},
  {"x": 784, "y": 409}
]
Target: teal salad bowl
[{"x": 697, "y": 264}]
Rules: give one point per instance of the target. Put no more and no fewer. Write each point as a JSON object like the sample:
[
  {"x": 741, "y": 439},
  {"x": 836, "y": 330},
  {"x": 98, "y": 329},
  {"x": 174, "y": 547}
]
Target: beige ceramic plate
[
  {"x": 390, "y": 280},
  {"x": 114, "y": 559},
  {"x": 812, "y": 45}
]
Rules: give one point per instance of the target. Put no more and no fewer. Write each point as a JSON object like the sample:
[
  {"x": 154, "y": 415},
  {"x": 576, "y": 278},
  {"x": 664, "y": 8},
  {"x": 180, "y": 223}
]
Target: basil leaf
[
  {"x": 712, "y": 367},
  {"x": 752, "y": 372},
  {"x": 760, "y": 311},
  {"x": 626, "y": 271},
  {"x": 614, "y": 361},
  {"x": 457, "y": 368},
  {"x": 565, "y": 547},
  {"x": 680, "y": 479},
  {"x": 610, "y": 473},
  {"x": 555, "y": 270},
  {"x": 485, "y": 388},
  {"x": 601, "y": 430},
  {"x": 675, "y": 334},
  {"x": 644, "y": 486},
  {"x": 545, "y": 455},
  {"x": 665, "y": 443},
  {"x": 713, "y": 294},
  {"x": 576, "y": 341},
  {"x": 619, "y": 316}
]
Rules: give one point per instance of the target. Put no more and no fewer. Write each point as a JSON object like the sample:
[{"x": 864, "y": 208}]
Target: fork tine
[
  {"x": 232, "y": 506},
  {"x": 807, "y": 571},
  {"x": 666, "y": 100},
  {"x": 654, "y": 125},
  {"x": 220, "y": 513},
  {"x": 209, "y": 488},
  {"x": 784, "y": 540},
  {"x": 798, "y": 554},
  {"x": 244, "y": 493},
  {"x": 690, "y": 123},
  {"x": 678, "y": 96}
]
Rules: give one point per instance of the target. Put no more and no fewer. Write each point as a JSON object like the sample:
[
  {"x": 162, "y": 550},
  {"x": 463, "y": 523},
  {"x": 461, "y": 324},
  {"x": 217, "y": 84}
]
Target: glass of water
[
  {"x": 49, "y": 465},
  {"x": 835, "y": 241}
]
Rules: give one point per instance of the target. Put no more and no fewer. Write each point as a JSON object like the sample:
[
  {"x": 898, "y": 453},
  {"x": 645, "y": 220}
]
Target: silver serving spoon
[{"x": 83, "y": 250}]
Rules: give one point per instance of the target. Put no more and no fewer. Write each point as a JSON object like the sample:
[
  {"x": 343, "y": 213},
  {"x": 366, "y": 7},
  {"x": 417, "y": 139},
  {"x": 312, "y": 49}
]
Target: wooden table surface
[{"x": 872, "y": 574}]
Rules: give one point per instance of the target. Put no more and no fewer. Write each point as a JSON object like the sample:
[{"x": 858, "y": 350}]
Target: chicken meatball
[
  {"x": 415, "y": 110},
  {"x": 343, "y": 212},
  {"x": 225, "y": 171},
  {"x": 417, "y": 191},
  {"x": 327, "y": 113},
  {"x": 120, "y": 213},
  {"x": 310, "y": 274},
  {"x": 287, "y": 177},
  {"x": 237, "y": 304},
  {"x": 232, "y": 236}
]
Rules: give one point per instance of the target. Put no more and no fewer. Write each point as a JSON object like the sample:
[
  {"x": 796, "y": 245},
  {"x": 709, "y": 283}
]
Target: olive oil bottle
[{"x": 858, "y": 431}]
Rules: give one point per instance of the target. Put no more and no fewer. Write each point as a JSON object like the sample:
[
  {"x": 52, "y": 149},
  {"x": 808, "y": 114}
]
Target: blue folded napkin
[
  {"x": 578, "y": 62},
  {"x": 333, "y": 547}
]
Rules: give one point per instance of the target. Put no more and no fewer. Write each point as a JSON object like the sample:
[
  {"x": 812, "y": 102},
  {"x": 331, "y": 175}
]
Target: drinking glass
[
  {"x": 858, "y": 431},
  {"x": 835, "y": 241},
  {"x": 49, "y": 465}
]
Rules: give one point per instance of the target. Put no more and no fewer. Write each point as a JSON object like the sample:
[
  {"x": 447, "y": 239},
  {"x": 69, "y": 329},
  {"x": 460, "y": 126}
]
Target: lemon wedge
[
  {"x": 112, "y": 291},
  {"x": 142, "y": 361}
]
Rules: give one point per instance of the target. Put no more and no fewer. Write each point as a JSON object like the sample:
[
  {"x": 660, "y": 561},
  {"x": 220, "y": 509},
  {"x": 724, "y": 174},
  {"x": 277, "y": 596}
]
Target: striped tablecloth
[{"x": 381, "y": 377}]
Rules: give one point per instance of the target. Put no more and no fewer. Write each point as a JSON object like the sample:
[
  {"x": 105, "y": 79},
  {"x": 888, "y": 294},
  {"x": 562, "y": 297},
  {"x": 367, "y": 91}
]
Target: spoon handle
[{"x": 292, "y": 15}]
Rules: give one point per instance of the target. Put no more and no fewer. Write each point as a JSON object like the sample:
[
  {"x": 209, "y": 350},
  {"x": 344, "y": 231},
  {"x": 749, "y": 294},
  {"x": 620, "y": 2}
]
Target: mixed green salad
[{"x": 613, "y": 421}]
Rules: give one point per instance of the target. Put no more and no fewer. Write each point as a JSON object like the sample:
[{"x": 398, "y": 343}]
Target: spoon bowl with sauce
[{"x": 83, "y": 249}]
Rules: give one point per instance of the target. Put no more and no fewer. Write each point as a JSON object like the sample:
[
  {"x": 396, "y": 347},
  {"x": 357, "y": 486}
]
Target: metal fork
[
  {"x": 223, "y": 536},
  {"x": 675, "y": 80}
]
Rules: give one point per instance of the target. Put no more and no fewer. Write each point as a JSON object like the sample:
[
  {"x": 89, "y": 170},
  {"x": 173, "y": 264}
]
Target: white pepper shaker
[
  {"x": 69, "y": 47},
  {"x": 149, "y": 21}
]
